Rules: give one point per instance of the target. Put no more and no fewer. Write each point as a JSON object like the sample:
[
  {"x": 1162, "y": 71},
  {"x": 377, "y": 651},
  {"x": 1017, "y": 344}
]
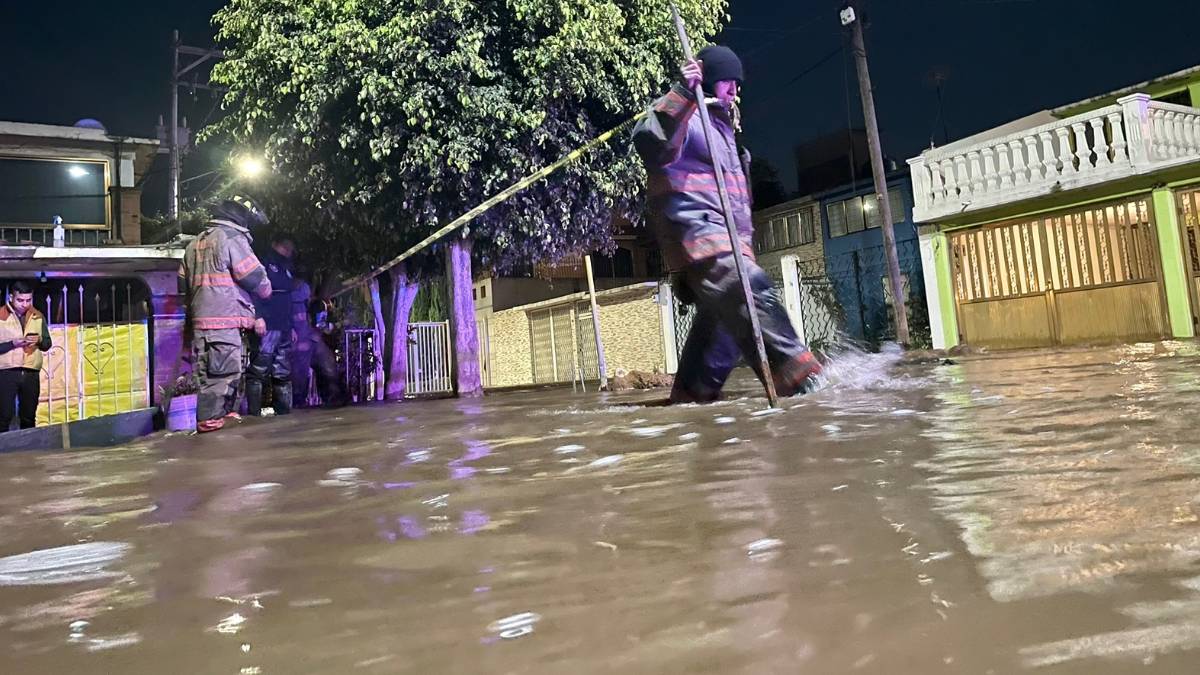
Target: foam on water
[{"x": 62, "y": 565}]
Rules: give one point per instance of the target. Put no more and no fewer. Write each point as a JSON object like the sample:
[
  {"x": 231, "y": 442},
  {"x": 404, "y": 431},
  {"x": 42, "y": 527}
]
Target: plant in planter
[{"x": 181, "y": 403}]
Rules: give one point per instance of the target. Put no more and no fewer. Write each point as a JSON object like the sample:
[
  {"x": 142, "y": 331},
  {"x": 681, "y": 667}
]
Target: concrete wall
[
  {"x": 632, "y": 333},
  {"x": 509, "y": 343},
  {"x": 630, "y": 326}
]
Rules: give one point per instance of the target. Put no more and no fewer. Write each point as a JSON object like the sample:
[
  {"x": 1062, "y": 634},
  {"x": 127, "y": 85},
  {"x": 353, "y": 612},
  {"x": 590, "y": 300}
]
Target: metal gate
[
  {"x": 563, "y": 345},
  {"x": 99, "y": 360},
  {"x": 1189, "y": 223},
  {"x": 430, "y": 367},
  {"x": 1090, "y": 275},
  {"x": 359, "y": 360}
]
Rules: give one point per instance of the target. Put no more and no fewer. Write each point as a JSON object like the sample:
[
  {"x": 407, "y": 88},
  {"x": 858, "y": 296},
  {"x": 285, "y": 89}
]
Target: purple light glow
[
  {"x": 474, "y": 521},
  {"x": 410, "y": 528}
]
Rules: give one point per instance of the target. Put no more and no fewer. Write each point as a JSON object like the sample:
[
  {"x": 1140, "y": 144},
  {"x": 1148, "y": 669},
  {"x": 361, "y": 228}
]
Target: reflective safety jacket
[
  {"x": 685, "y": 209},
  {"x": 220, "y": 274}
]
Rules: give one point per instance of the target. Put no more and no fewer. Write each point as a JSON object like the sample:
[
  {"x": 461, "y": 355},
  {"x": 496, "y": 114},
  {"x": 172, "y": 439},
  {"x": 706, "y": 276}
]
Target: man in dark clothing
[
  {"x": 327, "y": 319},
  {"x": 270, "y": 357},
  {"x": 686, "y": 215},
  {"x": 302, "y": 349}
]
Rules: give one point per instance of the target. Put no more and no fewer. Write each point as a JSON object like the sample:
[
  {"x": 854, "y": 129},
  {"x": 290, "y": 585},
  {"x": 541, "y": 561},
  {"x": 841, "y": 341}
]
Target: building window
[
  {"x": 837, "y": 219},
  {"x": 854, "y": 215},
  {"x": 36, "y": 190},
  {"x": 788, "y": 230},
  {"x": 860, "y": 213},
  {"x": 483, "y": 292},
  {"x": 619, "y": 266}
]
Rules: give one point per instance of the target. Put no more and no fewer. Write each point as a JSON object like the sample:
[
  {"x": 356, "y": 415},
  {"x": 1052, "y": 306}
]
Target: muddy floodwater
[{"x": 1031, "y": 513}]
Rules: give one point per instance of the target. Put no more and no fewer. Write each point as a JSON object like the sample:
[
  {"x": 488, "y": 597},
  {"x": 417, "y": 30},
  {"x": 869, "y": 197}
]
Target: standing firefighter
[
  {"x": 221, "y": 274},
  {"x": 271, "y": 360},
  {"x": 685, "y": 212}
]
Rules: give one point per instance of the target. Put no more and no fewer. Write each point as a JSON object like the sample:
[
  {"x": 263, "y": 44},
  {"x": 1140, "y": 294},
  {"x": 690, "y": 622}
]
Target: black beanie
[{"x": 720, "y": 63}]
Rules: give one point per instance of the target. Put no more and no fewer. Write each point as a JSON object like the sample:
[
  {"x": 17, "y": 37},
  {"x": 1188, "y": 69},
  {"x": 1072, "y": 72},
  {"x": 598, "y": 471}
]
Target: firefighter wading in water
[
  {"x": 271, "y": 357},
  {"x": 221, "y": 277},
  {"x": 685, "y": 213}
]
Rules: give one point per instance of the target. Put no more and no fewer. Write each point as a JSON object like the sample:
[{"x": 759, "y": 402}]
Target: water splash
[{"x": 853, "y": 368}]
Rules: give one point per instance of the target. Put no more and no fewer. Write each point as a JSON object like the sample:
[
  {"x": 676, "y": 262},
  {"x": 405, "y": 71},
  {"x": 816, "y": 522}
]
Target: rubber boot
[
  {"x": 282, "y": 394},
  {"x": 254, "y": 392}
]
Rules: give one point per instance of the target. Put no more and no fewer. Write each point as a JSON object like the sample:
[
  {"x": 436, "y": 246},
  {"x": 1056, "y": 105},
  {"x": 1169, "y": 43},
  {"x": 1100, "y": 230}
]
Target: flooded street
[{"x": 1033, "y": 513}]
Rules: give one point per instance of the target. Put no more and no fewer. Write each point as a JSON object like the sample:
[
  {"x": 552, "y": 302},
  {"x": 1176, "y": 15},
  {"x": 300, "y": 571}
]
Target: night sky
[{"x": 1001, "y": 59}]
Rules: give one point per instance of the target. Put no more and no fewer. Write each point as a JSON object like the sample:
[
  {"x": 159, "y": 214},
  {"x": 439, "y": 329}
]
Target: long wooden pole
[
  {"x": 899, "y": 302},
  {"x": 734, "y": 239},
  {"x": 601, "y": 365}
]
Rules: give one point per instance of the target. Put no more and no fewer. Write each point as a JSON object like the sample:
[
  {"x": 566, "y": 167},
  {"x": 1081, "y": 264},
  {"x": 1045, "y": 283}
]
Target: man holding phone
[{"x": 24, "y": 335}]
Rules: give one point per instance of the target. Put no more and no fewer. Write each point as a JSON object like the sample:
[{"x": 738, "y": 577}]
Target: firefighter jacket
[
  {"x": 220, "y": 275},
  {"x": 681, "y": 193}
]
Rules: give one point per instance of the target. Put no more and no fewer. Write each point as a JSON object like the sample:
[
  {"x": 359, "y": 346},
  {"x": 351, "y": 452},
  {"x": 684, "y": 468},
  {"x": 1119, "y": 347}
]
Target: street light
[{"x": 250, "y": 167}]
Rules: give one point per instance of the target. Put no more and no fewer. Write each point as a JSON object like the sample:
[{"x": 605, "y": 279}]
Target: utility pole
[
  {"x": 199, "y": 56},
  {"x": 601, "y": 364},
  {"x": 851, "y": 17},
  {"x": 173, "y": 201}
]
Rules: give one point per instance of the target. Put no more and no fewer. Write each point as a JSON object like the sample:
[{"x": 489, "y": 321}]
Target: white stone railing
[
  {"x": 1133, "y": 137},
  {"x": 1175, "y": 131}
]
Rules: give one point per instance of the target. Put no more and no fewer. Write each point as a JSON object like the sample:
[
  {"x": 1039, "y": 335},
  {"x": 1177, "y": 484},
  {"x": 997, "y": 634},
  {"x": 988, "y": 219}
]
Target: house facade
[
  {"x": 116, "y": 318},
  {"x": 1076, "y": 225},
  {"x": 82, "y": 174},
  {"x": 856, "y": 261}
]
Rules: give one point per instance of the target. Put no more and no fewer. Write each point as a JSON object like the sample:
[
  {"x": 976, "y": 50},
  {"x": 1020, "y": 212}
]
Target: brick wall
[
  {"x": 630, "y": 326},
  {"x": 508, "y": 340},
  {"x": 632, "y": 333}
]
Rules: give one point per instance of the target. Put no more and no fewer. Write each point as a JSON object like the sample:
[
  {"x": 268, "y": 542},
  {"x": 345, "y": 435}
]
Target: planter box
[{"x": 181, "y": 415}]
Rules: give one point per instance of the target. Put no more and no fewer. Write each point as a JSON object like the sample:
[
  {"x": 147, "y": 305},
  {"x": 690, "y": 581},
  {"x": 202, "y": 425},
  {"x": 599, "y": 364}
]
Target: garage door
[{"x": 1083, "y": 276}]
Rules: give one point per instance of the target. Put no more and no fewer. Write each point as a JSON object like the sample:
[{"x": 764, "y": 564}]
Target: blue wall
[{"x": 856, "y": 265}]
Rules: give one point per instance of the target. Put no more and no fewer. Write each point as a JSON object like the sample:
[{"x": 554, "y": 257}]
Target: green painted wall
[
  {"x": 941, "y": 260},
  {"x": 1175, "y": 277}
]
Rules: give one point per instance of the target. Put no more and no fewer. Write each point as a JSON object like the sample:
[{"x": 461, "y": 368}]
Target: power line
[{"x": 779, "y": 90}]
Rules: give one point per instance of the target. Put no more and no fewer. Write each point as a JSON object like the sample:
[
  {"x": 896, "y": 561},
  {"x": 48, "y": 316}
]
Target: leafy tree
[{"x": 395, "y": 116}]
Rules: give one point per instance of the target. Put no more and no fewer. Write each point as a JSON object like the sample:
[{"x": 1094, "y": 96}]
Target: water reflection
[
  {"x": 1075, "y": 474},
  {"x": 993, "y": 516}
]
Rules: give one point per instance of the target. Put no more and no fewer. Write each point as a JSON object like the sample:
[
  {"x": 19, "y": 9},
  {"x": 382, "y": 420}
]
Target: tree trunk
[
  {"x": 462, "y": 320},
  {"x": 380, "y": 336},
  {"x": 404, "y": 291}
]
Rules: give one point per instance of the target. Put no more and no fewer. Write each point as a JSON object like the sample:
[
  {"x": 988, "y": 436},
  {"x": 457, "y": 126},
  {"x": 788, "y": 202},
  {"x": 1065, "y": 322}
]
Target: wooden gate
[
  {"x": 1189, "y": 225},
  {"x": 1084, "y": 276}
]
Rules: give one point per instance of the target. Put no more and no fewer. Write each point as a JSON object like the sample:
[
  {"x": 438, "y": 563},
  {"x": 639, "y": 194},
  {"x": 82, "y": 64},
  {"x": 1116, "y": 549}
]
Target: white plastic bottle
[{"x": 60, "y": 235}]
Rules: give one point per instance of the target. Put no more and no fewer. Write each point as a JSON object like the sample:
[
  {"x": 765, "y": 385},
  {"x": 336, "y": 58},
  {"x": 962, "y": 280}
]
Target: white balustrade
[
  {"x": 1136, "y": 136},
  {"x": 1020, "y": 173}
]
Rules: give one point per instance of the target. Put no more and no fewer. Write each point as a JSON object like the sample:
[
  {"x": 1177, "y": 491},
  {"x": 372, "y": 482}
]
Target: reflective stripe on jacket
[
  {"x": 220, "y": 274},
  {"x": 681, "y": 191}
]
